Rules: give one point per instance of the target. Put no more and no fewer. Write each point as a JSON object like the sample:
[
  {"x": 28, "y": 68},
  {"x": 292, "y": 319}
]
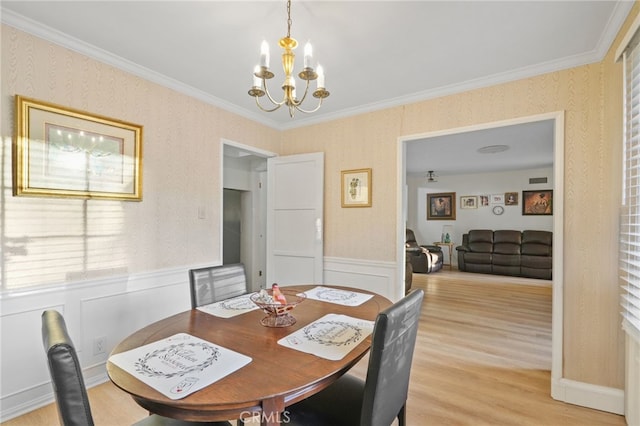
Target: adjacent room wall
[{"x": 482, "y": 217}]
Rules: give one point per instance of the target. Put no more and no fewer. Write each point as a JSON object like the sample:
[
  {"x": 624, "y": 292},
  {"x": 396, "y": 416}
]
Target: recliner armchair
[{"x": 424, "y": 258}]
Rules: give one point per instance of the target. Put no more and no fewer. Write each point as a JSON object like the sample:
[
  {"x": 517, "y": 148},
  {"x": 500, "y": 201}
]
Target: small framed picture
[
  {"x": 484, "y": 201},
  {"x": 536, "y": 203},
  {"x": 356, "y": 188},
  {"x": 441, "y": 206},
  {"x": 468, "y": 202},
  {"x": 510, "y": 198},
  {"x": 497, "y": 198}
]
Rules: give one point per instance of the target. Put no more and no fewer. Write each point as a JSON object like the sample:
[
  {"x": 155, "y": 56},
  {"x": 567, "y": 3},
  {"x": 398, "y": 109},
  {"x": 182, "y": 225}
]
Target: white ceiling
[
  {"x": 529, "y": 146},
  {"x": 376, "y": 54}
]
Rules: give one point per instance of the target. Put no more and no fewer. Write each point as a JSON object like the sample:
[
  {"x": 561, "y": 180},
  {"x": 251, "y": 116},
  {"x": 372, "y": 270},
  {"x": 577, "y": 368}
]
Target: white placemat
[
  {"x": 340, "y": 297},
  {"x": 331, "y": 337},
  {"x": 179, "y": 365},
  {"x": 230, "y": 307}
]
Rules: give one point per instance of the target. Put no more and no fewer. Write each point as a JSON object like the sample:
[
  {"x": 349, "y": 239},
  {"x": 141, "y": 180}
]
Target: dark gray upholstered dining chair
[
  {"x": 382, "y": 397},
  {"x": 68, "y": 384},
  {"x": 215, "y": 283}
]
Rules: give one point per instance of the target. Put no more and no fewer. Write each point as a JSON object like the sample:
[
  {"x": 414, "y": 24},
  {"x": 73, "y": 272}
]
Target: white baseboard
[{"x": 587, "y": 395}]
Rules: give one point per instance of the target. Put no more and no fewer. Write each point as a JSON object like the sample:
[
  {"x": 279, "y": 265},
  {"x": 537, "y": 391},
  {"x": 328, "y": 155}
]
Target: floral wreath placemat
[
  {"x": 331, "y": 337},
  {"x": 340, "y": 297},
  {"x": 179, "y": 365},
  {"x": 230, "y": 307}
]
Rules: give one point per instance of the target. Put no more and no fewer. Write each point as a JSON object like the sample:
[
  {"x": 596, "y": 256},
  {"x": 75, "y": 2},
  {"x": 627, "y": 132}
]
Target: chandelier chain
[{"x": 289, "y": 19}]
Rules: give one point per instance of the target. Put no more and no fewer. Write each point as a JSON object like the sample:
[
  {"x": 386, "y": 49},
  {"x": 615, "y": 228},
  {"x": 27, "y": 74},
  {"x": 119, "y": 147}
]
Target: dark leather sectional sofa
[{"x": 505, "y": 252}]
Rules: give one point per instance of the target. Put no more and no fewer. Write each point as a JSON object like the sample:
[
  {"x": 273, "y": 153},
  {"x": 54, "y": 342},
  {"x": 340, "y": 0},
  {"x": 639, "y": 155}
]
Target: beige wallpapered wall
[
  {"x": 591, "y": 97},
  {"x": 54, "y": 240}
]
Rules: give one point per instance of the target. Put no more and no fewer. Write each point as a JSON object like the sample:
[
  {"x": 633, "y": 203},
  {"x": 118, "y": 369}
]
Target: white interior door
[{"x": 294, "y": 219}]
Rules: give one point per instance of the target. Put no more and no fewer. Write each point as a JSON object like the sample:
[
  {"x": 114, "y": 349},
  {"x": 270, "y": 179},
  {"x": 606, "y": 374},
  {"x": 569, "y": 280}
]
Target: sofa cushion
[
  {"x": 481, "y": 240},
  {"x": 537, "y": 262},
  {"x": 484, "y": 258},
  {"x": 507, "y": 242},
  {"x": 505, "y": 270},
  {"x": 506, "y": 259},
  {"x": 537, "y": 243}
]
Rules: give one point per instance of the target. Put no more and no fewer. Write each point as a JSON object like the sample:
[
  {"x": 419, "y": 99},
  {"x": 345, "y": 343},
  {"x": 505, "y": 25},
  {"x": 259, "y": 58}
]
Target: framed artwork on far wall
[
  {"x": 535, "y": 203},
  {"x": 356, "y": 188},
  {"x": 441, "y": 206},
  {"x": 510, "y": 198},
  {"x": 497, "y": 198},
  {"x": 468, "y": 202}
]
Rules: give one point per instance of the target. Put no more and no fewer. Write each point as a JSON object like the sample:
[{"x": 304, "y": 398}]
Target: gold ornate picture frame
[
  {"x": 63, "y": 152},
  {"x": 356, "y": 188}
]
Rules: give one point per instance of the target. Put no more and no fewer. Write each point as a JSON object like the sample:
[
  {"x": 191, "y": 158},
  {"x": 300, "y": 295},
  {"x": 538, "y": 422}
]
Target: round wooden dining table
[{"x": 276, "y": 377}]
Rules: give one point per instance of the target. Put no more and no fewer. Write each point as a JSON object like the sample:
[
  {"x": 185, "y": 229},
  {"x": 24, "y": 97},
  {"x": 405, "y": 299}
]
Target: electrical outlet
[{"x": 100, "y": 345}]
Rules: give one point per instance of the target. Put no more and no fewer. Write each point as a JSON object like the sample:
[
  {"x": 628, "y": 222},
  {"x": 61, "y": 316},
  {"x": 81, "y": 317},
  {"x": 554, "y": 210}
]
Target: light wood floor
[{"x": 483, "y": 357}]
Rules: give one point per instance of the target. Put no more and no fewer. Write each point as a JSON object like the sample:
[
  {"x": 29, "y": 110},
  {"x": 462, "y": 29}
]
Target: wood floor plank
[{"x": 483, "y": 357}]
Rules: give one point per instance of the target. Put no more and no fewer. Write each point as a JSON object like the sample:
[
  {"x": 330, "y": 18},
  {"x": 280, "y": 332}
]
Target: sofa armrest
[{"x": 413, "y": 250}]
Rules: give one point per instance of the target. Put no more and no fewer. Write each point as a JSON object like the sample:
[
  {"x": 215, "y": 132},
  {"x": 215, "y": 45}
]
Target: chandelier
[
  {"x": 262, "y": 73},
  {"x": 431, "y": 176}
]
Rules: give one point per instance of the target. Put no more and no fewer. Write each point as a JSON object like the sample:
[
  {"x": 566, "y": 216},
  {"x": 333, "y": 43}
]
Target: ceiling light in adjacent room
[{"x": 492, "y": 149}]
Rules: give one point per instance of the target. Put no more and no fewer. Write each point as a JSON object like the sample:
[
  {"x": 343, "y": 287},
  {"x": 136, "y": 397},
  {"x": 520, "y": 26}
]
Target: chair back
[
  {"x": 66, "y": 372},
  {"x": 215, "y": 283},
  {"x": 410, "y": 237},
  {"x": 392, "y": 346}
]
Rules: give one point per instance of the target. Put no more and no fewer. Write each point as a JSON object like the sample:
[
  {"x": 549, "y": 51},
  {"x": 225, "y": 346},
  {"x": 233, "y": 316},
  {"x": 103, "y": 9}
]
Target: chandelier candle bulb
[
  {"x": 264, "y": 54},
  {"x": 257, "y": 81},
  {"x": 320, "y": 77},
  {"x": 308, "y": 54}
]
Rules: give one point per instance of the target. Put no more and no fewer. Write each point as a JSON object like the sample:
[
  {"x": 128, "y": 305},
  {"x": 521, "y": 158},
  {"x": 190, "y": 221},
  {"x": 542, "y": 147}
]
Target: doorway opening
[
  {"x": 243, "y": 209},
  {"x": 558, "y": 231}
]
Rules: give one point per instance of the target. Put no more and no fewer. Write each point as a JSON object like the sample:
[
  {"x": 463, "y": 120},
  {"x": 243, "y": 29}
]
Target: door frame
[
  {"x": 249, "y": 150},
  {"x": 557, "y": 327}
]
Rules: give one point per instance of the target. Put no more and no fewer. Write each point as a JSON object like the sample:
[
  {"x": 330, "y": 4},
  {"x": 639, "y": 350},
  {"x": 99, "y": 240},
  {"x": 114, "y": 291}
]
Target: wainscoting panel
[
  {"x": 114, "y": 317},
  {"x": 107, "y": 308},
  {"x": 378, "y": 277}
]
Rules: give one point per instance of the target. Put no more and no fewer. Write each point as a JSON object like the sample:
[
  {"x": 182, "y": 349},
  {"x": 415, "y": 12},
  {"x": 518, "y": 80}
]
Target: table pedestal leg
[{"x": 272, "y": 411}]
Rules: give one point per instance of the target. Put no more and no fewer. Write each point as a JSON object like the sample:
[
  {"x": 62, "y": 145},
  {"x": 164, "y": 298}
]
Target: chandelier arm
[
  {"x": 311, "y": 110},
  {"x": 265, "y": 109},
  {"x": 273, "y": 101},
  {"x": 306, "y": 90}
]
